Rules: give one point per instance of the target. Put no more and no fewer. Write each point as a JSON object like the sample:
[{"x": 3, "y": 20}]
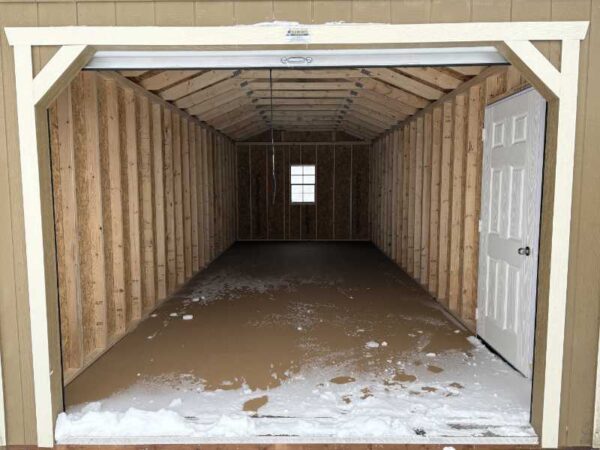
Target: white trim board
[
  {"x": 276, "y": 34},
  {"x": 266, "y": 440},
  {"x": 2, "y": 412},
  {"x": 515, "y": 36},
  {"x": 454, "y": 56}
]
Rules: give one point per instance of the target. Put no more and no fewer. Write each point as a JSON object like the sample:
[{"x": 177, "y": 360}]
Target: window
[{"x": 302, "y": 179}]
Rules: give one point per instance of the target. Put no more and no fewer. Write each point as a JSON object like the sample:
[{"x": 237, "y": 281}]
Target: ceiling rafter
[{"x": 364, "y": 102}]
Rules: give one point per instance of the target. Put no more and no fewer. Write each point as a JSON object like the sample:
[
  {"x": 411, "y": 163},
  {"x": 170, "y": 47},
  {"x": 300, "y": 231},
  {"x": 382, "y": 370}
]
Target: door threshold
[{"x": 420, "y": 440}]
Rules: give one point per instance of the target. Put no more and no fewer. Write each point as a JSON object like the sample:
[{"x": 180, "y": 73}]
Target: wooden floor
[{"x": 256, "y": 291}]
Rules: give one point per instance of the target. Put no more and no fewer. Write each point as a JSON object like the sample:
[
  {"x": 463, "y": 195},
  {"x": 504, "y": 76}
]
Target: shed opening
[{"x": 249, "y": 255}]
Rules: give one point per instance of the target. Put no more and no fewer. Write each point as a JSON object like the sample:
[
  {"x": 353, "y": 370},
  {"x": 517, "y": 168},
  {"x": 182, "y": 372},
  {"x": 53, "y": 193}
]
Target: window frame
[{"x": 313, "y": 184}]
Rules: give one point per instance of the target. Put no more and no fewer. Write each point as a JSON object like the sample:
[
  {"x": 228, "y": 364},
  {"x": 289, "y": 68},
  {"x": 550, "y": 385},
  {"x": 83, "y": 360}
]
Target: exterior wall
[
  {"x": 581, "y": 344},
  {"x": 143, "y": 199},
  {"x": 426, "y": 192},
  {"x": 340, "y": 211}
]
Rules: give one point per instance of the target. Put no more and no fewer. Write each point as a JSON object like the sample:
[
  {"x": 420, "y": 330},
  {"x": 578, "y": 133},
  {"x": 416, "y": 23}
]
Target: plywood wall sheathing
[
  {"x": 131, "y": 187},
  {"x": 425, "y": 192},
  {"x": 341, "y": 208}
]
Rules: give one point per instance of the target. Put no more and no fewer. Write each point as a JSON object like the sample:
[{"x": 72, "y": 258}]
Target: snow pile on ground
[{"x": 475, "y": 394}]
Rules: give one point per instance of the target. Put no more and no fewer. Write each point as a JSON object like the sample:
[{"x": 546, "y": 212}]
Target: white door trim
[{"x": 514, "y": 36}]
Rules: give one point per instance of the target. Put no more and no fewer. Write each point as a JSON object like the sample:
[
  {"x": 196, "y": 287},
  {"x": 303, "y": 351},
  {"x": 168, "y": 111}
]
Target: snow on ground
[
  {"x": 492, "y": 400},
  {"x": 391, "y": 396}
]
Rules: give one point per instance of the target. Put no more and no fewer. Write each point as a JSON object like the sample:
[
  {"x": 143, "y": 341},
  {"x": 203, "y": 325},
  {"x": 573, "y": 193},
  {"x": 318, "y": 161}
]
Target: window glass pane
[
  {"x": 302, "y": 181},
  {"x": 309, "y": 179}
]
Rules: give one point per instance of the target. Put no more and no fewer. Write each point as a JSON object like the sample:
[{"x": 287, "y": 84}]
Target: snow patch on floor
[{"x": 397, "y": 403}]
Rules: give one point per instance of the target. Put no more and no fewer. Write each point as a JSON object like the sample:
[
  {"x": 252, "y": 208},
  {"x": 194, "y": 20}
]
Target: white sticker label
[{"x": 298, "y": 35}]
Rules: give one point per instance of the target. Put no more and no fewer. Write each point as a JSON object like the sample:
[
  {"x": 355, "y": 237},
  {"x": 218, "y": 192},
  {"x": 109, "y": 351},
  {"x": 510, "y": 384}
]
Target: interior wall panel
[
  {"x": 122, "y": 186},
  {"x": 341, "y": 210},
  {"x": 439, "y": 187},
  {"x": 360, "y": 192},
  {"x": 325, "y": 192}
]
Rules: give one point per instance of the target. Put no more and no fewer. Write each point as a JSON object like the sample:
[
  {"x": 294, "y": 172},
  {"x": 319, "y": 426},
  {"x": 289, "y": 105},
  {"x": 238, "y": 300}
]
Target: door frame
[
  {"x": 77, "y": 45},
  {"x": 534, "y": 240}
]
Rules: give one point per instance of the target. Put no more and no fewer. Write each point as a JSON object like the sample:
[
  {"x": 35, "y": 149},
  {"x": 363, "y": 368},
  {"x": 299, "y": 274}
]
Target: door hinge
[
  {"x": 477, "y": 313},
  {"x": 483, "y": 134},
  {"x": 480, "y": 227}
]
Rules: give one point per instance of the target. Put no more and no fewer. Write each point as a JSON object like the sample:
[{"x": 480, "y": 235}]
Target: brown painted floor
[
  {"x": 352, "y": 281},
  {"x": 270, "y": 315}
]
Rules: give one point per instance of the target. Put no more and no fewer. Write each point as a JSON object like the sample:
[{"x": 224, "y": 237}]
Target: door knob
[{"x": 525, "y": 251}]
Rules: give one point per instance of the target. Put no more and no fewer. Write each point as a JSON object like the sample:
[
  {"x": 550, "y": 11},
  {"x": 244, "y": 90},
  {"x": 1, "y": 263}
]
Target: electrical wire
[{"x": 274, "y": 178}]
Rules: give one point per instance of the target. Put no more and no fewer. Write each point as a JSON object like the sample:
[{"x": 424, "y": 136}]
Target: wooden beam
[
  {"x": 211, "y": 92},
  {"x": 403, "y": 82},
  {"x": 166, "y": 78},
  {"x": 130, "y": 162},
  {"x": 432, "y": 75},
  {"x": 159, "y": 200},
  {"x": 197, "y": 83},
  {"x": 310, "y": 93},
  {"x": 537, "y": 68},
  {"x": 59, "y": 72},
  {"x": 392, "y": 92},
  {"x": 302, "y": 85}
]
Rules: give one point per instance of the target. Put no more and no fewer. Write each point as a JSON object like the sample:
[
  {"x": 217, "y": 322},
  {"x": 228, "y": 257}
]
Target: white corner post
[
  {"x": 35, "y": 94},
  {"x": 561, "y": 231},
  {"x": 34, "y": 244},
  {"x": 2, "y": 413},
  {"x": 562, "y": 84}
]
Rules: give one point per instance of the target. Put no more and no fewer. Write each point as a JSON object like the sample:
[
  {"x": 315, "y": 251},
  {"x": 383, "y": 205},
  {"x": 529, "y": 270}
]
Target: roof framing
[{"x": 35, "y": 92}]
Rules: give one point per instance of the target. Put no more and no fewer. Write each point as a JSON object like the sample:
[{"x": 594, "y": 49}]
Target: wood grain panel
[
  {"x": 178, "y": 198},
  {"x": 159, "y": 201},
  {"x": 147, "y": 201},
  {"x": 325, "y": 191},
  {"x": 294, "y": 211},
  {"x": 112, "y": 207},
  {"x": 342, "y": 189},
  {"x": 244, "y": 201},
  {"x": 126, "y": 188},
  {"x": 276, "y": 193},
  {"x": 89, "y": 214},
  {"x": 430, "y": 208},
  {"x": 65, "y": 207},
  {"x": 258, "y": 189},
  {"x": 458, "y": 191},
  {"x": 360, "y": 192},
  {"x": 308, "y": 230}
]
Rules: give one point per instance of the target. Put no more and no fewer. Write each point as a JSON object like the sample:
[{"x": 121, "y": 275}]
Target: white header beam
[
  {"x": 294, "y": 34},
  {"x": 115, "y": 60}
]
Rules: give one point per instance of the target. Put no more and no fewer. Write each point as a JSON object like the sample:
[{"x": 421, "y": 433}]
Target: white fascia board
[
  {"x": 295, "y": 58},
  {"x": 293, "y": 34}
]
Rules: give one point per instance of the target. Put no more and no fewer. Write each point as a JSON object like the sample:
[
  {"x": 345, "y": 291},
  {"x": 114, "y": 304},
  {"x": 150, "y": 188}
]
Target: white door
[{"x": 509, "y": 230}]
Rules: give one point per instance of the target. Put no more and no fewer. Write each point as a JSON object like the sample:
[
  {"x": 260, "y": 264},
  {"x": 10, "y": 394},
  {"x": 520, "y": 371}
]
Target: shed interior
[{"x": 198, "y": 293}]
